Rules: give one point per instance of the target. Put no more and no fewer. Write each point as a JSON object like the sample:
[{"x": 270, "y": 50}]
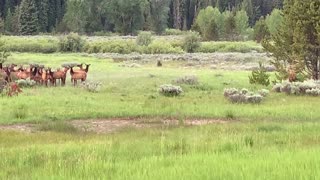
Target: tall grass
[{"x": 221, "y": 151}]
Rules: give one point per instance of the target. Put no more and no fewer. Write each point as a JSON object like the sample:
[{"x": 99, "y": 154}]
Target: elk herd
[{"x": 42, "y": 75}]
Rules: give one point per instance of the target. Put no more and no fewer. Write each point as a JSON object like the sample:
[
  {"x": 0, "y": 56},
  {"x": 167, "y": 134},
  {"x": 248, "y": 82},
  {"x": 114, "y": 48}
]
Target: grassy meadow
[{"x": 278, "y": 139}]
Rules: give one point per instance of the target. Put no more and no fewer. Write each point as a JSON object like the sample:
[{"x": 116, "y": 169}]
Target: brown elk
[
  {"x": 61, "y": 75},
  {"x": 77, "y": 75},
  {"x": 81, "y": 68},
  {"x": 36, "y": 75}
]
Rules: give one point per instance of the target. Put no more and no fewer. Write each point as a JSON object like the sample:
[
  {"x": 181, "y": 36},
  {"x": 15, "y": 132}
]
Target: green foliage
[
  {"x": 28, "y": 18},
  {"x": 8, "y": 22},
  {"x": 76, "y": 15},
  {"x": 230, "y": 25},
  {"x": 191, "y": 42},
  {"x": 175, "y": 32},
  {"x": 242, "y": 23},
  {"x": 144, "y": 38},
  {"x": 225, "y": 46},
  {"x": 2, "y": 26},
  {"x": 159, "y": 12},
  {"x": 112, "y": 46},
  {"x": 296, "y": 44},
  {"x": 30, "y": 44},
  {"x": 161, "y": 47},
  {"x": 274, "y": 21},
  {"x": 261, "y": 30},
  {"x": 73, "y": 42},
  {"x": 207, "y": 23},
  {"x": 127, "y": 15},
  {"x": 260, "y": 76}
]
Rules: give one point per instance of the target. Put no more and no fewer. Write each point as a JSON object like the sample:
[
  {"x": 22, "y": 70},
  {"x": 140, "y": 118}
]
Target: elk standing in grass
[
  {"x": 61, "y": 75},
  {"x": 78, "y": 75}
]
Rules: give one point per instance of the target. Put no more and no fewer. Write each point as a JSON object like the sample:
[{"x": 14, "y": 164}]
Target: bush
[
  {"x": 313, "y": 92},
  {"x": 260, "y": 76},
  {"x": 71, "y": 43},
  {"x": 191, "y": 42},
  {"x": 161, "y": 47},
  {"x": 31, "y": 44},
  {"x": 264, "y": 92},
  {"x": 310, "y": 88},
  {"x": 189, "y": 80},
  {"x": 243, "y": 47},
  {"x": 26, "y": 83},
  {"x": 243, "y": 96},
  {"x": 170, "y": 90},
  {"x": 112, "y": 46},
  {"x": 92, "y": 86},
  {"x": 175, "y": 32},
  {"x": 144, "y": 38}
]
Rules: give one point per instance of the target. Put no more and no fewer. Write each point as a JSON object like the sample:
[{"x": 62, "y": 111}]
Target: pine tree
[
  {"x": 8, "y": 21},
  {"x": 261, "y": 30},
  {"x": 28, "y": 19},
  {"x": 242, "y": 22},
  {"x": 1, "y": 25},
  {"x": 297, "y": 44},
  {"x": 43, "y": 6}
]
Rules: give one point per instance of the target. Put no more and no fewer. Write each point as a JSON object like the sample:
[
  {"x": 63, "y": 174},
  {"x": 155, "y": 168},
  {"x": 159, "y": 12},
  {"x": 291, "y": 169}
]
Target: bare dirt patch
[{"x": 106, "y": 126}]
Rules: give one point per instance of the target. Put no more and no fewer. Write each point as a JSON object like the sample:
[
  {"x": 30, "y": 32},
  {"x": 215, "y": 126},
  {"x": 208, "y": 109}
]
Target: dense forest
[{"x": 122, "y": 16}]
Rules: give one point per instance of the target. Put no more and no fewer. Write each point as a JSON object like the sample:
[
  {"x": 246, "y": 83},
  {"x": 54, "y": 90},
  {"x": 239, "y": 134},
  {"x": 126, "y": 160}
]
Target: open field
[
  {"x": 133, "y": 92},
  {"x": 277, "y": 139}
]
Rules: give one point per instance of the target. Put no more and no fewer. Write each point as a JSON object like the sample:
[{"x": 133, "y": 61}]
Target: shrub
[
  {"x": 264, "y": 92},
  {"x": 174, "y": 32},
  {"x": 26, "y": 83},
  {"x": 230, "y": 91},
  {"x": 242, "y": 96},
  {"x": 170, "y": 90},
  {"x": 260, "y": 76},
  {"x": 243, "y": 47},
  {"x": 161, "y": 47},
  {"x": 298, "y": 88},
  {"x": 313, "y": 92},
  {"x": 189, "y": 80},
  {"x": 92, "y": 86},
  {"x": 191, "y": 42},
  {"x": 144, "y": 38},
  {"x": 71, "y": 43},
  {"x": 112, "y": 46}
]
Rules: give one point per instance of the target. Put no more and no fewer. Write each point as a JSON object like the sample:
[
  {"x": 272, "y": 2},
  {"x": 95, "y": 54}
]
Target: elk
[
  {"x": 81, "y": 68},
  {"x": 77, "y": 75},
  {"x": 24, "y": 73},
  {"x": 36, "y": 75},
  {"x": 61, "y": 75}
]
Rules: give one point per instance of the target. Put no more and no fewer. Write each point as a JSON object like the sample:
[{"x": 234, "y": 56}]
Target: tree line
[{"x": 122, "y": 16}]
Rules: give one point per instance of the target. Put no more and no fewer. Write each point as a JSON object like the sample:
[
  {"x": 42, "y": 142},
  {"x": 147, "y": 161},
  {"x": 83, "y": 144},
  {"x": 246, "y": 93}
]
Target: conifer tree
[
  {"x": 8, "y": 21},
  {"x": 297, "y": 44},
  {"x": 28, "y": 18}
]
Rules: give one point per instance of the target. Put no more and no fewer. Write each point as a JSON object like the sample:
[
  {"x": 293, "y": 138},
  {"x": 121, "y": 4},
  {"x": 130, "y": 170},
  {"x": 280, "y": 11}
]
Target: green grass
[
  {"x": 278, "y": 139},
  {"x": 132, "y": 92},
  {"x": 223, "y": 151}
]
